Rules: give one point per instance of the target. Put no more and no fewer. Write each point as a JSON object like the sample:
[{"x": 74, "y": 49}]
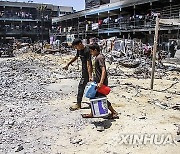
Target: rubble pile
[
  {"x": 136, "y": 55},
  {"x": 6, "y": 50},
  {"x": 19, "y": 75},
  {"x": 37, "y": 119},
  {"x": 24, "y": 102}
]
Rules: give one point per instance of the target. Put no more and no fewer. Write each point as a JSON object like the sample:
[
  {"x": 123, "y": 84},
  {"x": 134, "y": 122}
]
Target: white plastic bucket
[{"x": 99, "y": 107}]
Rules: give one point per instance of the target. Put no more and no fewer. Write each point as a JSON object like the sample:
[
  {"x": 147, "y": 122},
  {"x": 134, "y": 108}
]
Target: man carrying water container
[
  {"x": 101, "y": 78},
  {"x": 84, "y": 53}
]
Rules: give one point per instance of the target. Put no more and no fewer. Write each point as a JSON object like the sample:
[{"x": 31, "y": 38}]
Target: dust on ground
[{"x": 36, "y": 94}]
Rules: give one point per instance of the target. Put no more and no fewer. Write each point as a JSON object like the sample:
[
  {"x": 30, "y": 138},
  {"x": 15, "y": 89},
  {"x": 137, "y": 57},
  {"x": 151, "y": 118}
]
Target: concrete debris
[
  {"x": 6, "y": 50},
  {"x": 178, "y": 131},
  {"x": 161, "y": 105},
  {"x": 177, "y": 139},
  {"x": 142, "y": 118},
  {"x": 176, "y": 107},
  {"x": 19, "y": 148},
  {"x": 76, "y": 141},
  {"x": 35, "y": 95}
]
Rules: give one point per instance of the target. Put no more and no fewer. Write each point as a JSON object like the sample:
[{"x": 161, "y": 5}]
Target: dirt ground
[{"x": 140, "y": 109}]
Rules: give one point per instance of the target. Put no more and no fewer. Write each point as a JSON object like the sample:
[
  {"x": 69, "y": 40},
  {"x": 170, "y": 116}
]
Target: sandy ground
[
  {"x": 65, "y": 132},
  {"x": 177, "y": 54}
]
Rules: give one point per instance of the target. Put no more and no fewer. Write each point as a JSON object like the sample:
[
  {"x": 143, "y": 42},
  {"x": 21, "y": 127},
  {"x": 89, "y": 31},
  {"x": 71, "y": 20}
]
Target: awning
[
  {"x": 173, "y": 22},
  {"x": 102, "y": 10}
]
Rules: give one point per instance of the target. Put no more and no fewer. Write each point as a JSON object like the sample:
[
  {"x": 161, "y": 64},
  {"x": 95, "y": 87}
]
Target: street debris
[
  {"x": 35, "y": 95},
  {"x": 178, "y": 128},
  {"x": 19, "y": 148},
  {"x": 176, "y": 107}
]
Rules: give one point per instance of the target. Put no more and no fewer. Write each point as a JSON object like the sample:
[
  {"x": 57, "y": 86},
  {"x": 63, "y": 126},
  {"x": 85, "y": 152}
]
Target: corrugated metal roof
[{"x": 103, "y": 8}]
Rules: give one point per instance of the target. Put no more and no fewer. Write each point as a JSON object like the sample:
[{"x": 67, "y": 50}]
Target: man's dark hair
[
  {"x": 95, "y": 46},
  {"x": 76, "y": 41}
]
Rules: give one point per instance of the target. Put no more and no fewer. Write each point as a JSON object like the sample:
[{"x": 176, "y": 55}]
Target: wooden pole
[{"x": 154, "y": 52}]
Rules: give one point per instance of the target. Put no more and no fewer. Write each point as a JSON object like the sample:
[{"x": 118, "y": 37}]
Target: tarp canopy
[{"x": 173, "y": 22}]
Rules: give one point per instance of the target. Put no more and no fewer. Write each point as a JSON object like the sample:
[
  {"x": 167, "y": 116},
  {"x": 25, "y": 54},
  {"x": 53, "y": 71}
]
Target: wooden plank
[{"x": 154, "y": 52}]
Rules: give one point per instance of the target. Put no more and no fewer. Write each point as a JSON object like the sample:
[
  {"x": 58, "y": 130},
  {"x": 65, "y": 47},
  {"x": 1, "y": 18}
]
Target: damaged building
[
  {"x": 124, "y": 19},
  {"x": 92, "y": 3},
  {"x": 32, "y": 21}
]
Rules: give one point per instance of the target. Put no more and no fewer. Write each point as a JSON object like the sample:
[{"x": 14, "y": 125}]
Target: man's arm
[
  {"x": 73, "y": 60},
  {"x": 103, "y": 76},
  {"x": 89, "y": 66}
]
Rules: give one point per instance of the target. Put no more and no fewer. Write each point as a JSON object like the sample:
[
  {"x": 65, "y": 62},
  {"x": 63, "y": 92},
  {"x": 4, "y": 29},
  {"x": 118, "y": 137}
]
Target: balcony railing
[
  {"x": 17, "y": 19},
  {"x": 123, "y": 25},
  {"x": 126, "y": 23},
  {"x": 25, "y": 16},
  {"x": 21, "y": 32}
]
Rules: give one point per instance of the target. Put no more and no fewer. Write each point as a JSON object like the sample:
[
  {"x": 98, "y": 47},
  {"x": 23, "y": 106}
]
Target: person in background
[{"x": 172, "y": 49}]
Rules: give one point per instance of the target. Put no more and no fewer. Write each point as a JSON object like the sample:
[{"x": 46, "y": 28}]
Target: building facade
[
  {"x": 93, "y": 3},
  {"x": 123, "y": 19},
  {"x": 20, "y": 20}
]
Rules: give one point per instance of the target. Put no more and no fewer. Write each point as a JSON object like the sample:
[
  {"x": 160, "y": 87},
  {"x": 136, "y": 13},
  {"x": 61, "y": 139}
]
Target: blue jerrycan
[{"x": 91, "y": 90}]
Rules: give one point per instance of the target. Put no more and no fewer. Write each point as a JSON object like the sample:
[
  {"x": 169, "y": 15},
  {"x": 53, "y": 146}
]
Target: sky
[{"x": 77, "y": 4}]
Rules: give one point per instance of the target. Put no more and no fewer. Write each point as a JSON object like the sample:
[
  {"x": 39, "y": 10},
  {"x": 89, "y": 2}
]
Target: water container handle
[{"x": 94, "y": 84}]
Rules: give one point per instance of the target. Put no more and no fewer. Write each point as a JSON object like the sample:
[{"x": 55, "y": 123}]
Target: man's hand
[
  {"x": 99, "y": 85},
  {"x": 66, "y": 67},
  {"x": 90, "y": 79}
]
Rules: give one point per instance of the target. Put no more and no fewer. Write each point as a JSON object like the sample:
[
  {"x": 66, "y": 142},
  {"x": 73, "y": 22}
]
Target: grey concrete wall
[
  {"x": 113, "y": 1},
  {"x": 66, "y": 9}
]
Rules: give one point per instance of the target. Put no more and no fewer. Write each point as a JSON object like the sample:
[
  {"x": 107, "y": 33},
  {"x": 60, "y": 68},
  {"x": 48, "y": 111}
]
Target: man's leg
[
  {"x": 114, "y": 114},
  {"x": 82, "y": 84},
  {"x": 101, "y": 95},
  {"x": 173, "y": 54}
]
